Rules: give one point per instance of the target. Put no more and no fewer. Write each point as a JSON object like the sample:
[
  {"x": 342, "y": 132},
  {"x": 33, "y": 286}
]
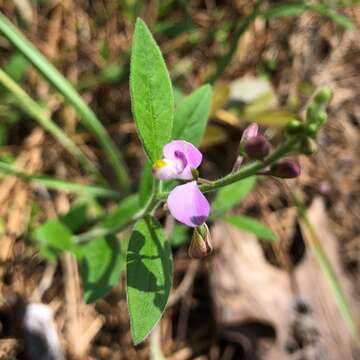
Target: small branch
[{"x": 157, "y": 197}]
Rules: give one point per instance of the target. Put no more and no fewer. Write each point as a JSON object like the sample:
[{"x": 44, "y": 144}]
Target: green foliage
[
  {"x": 151, "y": 92},
  {"x": 146, "y": 183},
  {"x": 230, "y": 195},
  {"x": 149, "y": 276},
  {"x": 251, "y": 225},
  {"x": 191, "y": 115},
  {"x": 63, "y": 86},
  {"x": 40, "y": 115},
  {"x": 292, "y": 9},
  {"x": 102, "y": 261},
  {"x": 16, "y": 67},
  {"x": 58, "y": 184},
  {"x": 122, "y": 213},
  {"x": 333, "y": 15},
  {"x": 54, "y": 237},
  {"x": 282, "y": 10}
]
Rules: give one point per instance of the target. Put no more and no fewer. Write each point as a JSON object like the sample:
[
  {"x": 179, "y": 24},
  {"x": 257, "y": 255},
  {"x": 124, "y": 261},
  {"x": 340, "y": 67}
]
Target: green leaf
[
  {"x": 54, "y": 237},
  {"x": 149, "y": 276},
  {"x": 146, "y": 184},
  {"x": 151, "y": 92},
  {"x": 192, "y": 114},
  {"x": 122, "y": 213},
  {"x": 76, "y": 217},
  {"x": 251, "y": 225},
  {"x": 230, "y": 195},
  {"x": 290, "y": 9},
  {"x": 333, "y": 15},
  {"x": 16, "y": 67},
  {"x": 114, "y": 222},
  {"x": 101, "y": 262}
]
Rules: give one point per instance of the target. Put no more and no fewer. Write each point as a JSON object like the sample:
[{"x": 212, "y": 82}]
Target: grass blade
[
  {"x": 64, "y": 87},
  {"x": 326, "y": 267},
  {"x": 40, "y": 115},
  {"x": 57, "y": 184}
]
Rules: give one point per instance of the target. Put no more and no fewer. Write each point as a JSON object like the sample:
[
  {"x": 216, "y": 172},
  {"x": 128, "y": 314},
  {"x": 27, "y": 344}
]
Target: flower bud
[
  {"x": 323, "y": 96},
  {"x": 257, "y": 147},
  {"x": 286, "y": 169},
  {"x": 311, "y": 130},
  {"x": 250, "y": 132},
  {"x": 294, "y": 127},
  {"x": 200, "y": 245},
  {"x": 321, "y": 118},
  {"x": 309, "y": 146}
]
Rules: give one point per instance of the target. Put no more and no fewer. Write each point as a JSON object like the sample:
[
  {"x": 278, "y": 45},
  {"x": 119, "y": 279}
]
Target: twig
[{"x": 185, "y": 284}]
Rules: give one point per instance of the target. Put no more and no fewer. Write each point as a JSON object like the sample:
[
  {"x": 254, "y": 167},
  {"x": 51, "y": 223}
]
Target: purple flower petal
[
  {"x": 188, "y": 205},
  {"x": 192, "y": 154},
  {"x": 165, "y": 170}
]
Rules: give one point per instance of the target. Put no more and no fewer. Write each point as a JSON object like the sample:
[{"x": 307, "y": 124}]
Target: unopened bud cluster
[
  {"x": 315, "y": 118},
  {"x": 257, "y": 146}
]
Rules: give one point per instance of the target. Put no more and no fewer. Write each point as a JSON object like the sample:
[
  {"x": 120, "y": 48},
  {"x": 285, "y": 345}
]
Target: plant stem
[
  {"x": 100, "y": 232},
  {"x": 157, "y": 197},
  {"x": 248, "y": 170}
]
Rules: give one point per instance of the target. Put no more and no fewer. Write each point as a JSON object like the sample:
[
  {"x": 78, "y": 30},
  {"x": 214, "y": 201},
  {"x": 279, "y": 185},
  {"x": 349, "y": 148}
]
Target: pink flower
[
  {"x": 188, "y": 205},
  {"x": 186, "y": 202},
  {"x": 179, "y": 158}
]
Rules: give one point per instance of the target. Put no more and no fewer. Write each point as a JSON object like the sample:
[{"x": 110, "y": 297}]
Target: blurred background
[{"x": 250, "y": 299}]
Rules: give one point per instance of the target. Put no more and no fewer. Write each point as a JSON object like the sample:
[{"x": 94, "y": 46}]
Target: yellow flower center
[{"x": 158, "y": 164}]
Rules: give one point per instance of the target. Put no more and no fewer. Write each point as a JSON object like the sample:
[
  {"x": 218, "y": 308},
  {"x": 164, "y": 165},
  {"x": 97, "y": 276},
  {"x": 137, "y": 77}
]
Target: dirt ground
[{"x": 249, "y": 300}]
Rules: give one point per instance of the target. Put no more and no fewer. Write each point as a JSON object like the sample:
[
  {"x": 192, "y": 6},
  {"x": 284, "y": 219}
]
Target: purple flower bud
[
  {"x": 188, "y": 205},
  {"x": 249, "y": 132},
  {"x": 180, "y": 158},
  {"x": 200, "y": 245},
  {"x": 257, "y": 147},
  {"x": 286, "y": 169}
]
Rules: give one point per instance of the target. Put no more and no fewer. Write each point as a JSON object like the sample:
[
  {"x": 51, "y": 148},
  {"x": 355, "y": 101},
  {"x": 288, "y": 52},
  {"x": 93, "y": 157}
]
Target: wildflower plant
[
  {"x": 170, "y": 143},
  {"x": 170, "y": 137}
]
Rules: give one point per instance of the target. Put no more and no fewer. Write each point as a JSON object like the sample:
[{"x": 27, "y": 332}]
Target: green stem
[
  {"x": 64, "y": 87},
  {"x": 100, "y": 232},
  {"x": 157, "y": 197},
  {"x": 246, "y": 171}
]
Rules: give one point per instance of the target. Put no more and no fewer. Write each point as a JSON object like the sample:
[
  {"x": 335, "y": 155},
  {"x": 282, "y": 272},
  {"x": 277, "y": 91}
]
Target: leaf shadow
[
  {"x": 144, "y": 279},
  {"x": 95, "y": 289}
]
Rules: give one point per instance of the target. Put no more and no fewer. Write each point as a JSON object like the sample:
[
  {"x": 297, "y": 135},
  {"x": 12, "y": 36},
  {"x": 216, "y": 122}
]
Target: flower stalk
[{"x": 158, "y": 197}]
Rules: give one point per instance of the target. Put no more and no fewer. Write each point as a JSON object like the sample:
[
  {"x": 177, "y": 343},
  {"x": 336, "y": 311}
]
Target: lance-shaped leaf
[
  {"x": 230, "y": 195},
  {"x": 149, "y": 276},
  {"x": 251, "y": 225},
  {"x": 54, "y": 237},
  {"x": 192, "y": 114},
  {"x": 151, "y": 92}
]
